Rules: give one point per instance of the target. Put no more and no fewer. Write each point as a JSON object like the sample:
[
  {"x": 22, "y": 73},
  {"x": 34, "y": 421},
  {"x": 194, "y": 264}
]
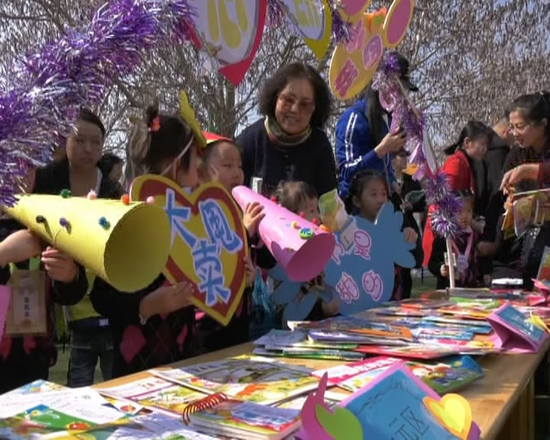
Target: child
[
  {"x": 368, "y": 193},
  {"x": 154, "y": 326},
  {"x": 464, "y": 250},
  {"x": 221, "y": 161},
  {"x": 301, "y": 198},
  {"x": 26, "y": 358}
]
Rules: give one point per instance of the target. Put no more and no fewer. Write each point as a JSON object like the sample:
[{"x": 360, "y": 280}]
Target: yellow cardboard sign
[
  {"x": 354, "y": 62},
  {"x": 126, "y": 245}
]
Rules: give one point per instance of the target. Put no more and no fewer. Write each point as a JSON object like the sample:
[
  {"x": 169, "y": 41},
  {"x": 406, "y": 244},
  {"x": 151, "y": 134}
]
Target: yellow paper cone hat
[{"x": 126, "y": 245}]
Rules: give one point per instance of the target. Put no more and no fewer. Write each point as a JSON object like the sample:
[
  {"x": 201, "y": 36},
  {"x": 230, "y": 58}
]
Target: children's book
[
  {"x": 515, "y": 331},
  {"x": 60, "y": 416},
  {"x": 305, "y": 353},
  {"x": 412, "y": 351},
  {"x": 340, "y": 337},
  {"x": 342, "y": 373},
  {"x": 395, "y": 405},
  {"x": 38, "y": 386},
  {"x": 284, "y": 338},
  {"x": 247, "y": 378},
  {"x": 426, "y": 333},
  {"x": 447, "y": 376},
  {"x": 247, "y": 420},
  {"x": 156, "y": 394}
]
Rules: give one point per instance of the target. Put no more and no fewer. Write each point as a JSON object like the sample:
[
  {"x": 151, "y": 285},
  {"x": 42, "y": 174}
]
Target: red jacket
[{"x": 460, "y": 176}]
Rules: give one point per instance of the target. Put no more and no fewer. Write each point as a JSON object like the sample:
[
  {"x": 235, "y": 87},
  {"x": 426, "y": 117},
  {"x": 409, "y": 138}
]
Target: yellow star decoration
[{"x": 188, "y": 115}]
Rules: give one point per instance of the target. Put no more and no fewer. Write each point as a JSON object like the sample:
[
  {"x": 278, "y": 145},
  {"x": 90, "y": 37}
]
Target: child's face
[
  {"x": 373, "y": 197},
  {"x": 84, "y": 145},
  {"x": 227, "y": 163},
  {"x": 310, "y": 208},
  {"x": 189, "y": 178},
  {"x": 466, "y": 214}
]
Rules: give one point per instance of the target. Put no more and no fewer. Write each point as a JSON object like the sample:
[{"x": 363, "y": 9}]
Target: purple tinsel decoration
[
  {"x": 74, "y": 71},
  {"x": 341, "y": 29},
  {"x": 438, "y": 191}
]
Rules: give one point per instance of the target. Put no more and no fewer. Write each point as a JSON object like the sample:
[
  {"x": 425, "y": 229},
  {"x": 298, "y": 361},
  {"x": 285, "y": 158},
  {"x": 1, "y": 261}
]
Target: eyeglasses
[
  {"x": 518, "y": 130},
  {"x": 305, "y": 106}
]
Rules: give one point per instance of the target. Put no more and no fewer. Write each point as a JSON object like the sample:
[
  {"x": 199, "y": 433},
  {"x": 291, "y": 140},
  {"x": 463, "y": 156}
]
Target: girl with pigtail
[{"x": 154, "y": 326}]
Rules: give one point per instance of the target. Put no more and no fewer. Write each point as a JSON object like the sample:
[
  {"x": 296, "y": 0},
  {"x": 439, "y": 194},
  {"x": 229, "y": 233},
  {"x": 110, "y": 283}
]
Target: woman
[
  {"x": 79, "y": 173},
  {"x": 289, "y": 142},
  {"x": 472, "y": 145},
  {"x": 529, "y": 118},
  {"x": 362, "y": 138},
  {"x": 526, "y": 168}
]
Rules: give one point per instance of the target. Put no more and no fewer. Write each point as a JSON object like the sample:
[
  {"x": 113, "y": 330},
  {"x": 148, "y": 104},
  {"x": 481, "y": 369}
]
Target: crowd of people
[{"x": 289, "y": 150}]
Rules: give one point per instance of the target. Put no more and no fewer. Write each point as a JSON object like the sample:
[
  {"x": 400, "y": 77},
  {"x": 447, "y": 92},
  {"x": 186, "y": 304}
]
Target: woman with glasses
[
  {"x": 527, "y": 168},
  {"x": 288, "y": 143},
  {"x": 529, "y": 117}
]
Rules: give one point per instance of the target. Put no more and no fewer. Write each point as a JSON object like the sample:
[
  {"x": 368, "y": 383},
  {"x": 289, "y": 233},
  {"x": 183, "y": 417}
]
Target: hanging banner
[
  {"x": 230, "y": 31},
  {"x": 313, "y": 19}
]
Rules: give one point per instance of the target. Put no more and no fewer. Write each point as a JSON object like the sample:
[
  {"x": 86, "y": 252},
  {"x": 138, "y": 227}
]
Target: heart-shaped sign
[
  {"x": 453, "y": 412},
  {"x": 340, "y": 424},
  {"x": 230, "y": 31},
  {"x": 208, "y": 242}
]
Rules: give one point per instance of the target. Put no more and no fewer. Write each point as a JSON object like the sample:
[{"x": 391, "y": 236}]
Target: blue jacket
[{"x": 354, "y": 148}]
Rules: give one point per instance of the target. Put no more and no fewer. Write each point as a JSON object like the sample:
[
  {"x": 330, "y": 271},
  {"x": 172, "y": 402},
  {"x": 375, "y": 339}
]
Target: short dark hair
[
  {"x": 211, "y": 147},
  {"x": 358, "y": 184},
  {"x": 108, "y": 162},
  {"x": 269, "y": 93},
  {"x": 87, "y": 115},
  {"x": 291, "y": 194}
]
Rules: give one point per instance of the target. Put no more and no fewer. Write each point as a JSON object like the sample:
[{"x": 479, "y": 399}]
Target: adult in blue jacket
[{"x": 362, "y": 138}]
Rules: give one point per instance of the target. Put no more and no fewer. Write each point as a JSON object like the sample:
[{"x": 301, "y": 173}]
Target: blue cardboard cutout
[
  {"x": 361, "y": 269},
  {"x": 297, "y": 305}
]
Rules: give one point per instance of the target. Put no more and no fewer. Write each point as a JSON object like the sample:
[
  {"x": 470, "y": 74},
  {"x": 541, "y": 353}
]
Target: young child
[
  {"x": 301, "y": 198},
  {"x": 368, "y": 193},
  {"x": 464, "y": 250},
  {"x": 154, "y": 326},
  {"x": 221, "y": 161}
]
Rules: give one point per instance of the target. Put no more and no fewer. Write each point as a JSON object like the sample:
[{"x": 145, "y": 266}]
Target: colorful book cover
[
  {"x": 156, "y": 394},
  {"x": 340, "y": 337},
  {"x": 245, "y": 378},
  {"x": 283, "y": 338},
  {"x": 342, "y": 373},
  {"x": 325, "y": 354},
  {"x": 515, "y": 332},
  {"x": 38, "y": 386},
  {"x": 416, "y": 351},
  {"x": 248, "y": 420},
  {"x": 427, "y": 333},
  {"x": 68, "y": 416},
  {"x": 449, "y": 375}
]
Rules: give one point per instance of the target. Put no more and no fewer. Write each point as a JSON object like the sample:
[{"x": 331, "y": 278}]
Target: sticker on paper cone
[{"x": 208, "y": 242}]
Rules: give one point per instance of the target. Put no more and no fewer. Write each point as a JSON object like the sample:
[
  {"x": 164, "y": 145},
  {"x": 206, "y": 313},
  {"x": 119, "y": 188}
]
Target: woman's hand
[
  {"x": 250, "y": 271},
  {"x": 528, "y": 171},
  {"x": 392, "y": 143},
  {"x": 410, "y": 235},
  {"x": 253, "y": 215},
  {"x": 166, "y": 299},
  {"x": 444, "y": 271},
  {"x": 59, "y": 266}
]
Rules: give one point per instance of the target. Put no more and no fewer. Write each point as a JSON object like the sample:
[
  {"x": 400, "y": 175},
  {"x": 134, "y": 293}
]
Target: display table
[{"x": 502, "y": 402}]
